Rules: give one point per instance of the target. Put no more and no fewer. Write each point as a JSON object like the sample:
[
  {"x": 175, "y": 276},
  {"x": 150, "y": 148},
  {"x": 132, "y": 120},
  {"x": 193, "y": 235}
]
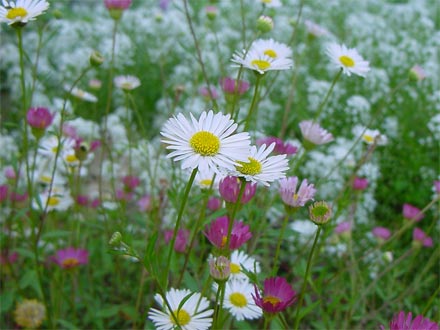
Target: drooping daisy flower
[
  {"x": 314, "y": 134},
  {"x": 238, "y": 300},
  {"x": 21, "y": 11},
  {"x": 194, "y": 313},
  {"x": 127, "y": 83},
  {"x": 81, "y": 94},
  {"x": 30, "y": 313},
  {"x": 262, "y": 168},
  {"x": 265, "y": 55},
  {"x": 277, "y": 296},
  {"x": 70, "y": 258},
  {"x": 208, "y": 143},
  {"x": 348, "y": 59},
  {"x": 240, "y": 261},
  {"x": 405, "y": 322},
  {"x": 293, "y": 197}
]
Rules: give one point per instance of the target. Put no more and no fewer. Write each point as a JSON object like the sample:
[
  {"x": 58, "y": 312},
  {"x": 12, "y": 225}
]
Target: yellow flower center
[
  {"x": 70, "y": 262},
  {"x": 55, "y": 149},
  {"x": 205, "y": 143},
  {"x": 270, "y": 53},
  {"x": 272, "y": 300},
  {"x": 224, "y": 239},
  {"x": 238, "y": 299},
  {"x": 235, "y": 269},
  {"x": 253, "y": 167},
  {"x": 261, "y": 64},
  {"x": 182, "y": 317},
  {"x": 53, "y": 201},
  {"x": 205, "y": 182},
  {"x": 45, "y": 179},
  {"x": 295, "y": 197},
  {"x": 126, "y": 85},
  {"x": 346, "y": 61},
  {"x": 368, "y": 138},
  {"x": 71, "y": 158},
  {"x": 16, "y": 12}
]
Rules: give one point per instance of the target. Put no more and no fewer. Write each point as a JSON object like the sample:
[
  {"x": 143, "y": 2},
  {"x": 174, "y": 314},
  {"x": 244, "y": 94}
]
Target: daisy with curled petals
[
  {"x": 194, "y": 313},
  {"x": 262, "y": 168},
  {"x": 21, "y": 11},
  {"x": 208, "y": 143},
  {"x": 238, "y": 300},
  {"x": 265, "y": 55},
  {"x": 348, "y": 59}
]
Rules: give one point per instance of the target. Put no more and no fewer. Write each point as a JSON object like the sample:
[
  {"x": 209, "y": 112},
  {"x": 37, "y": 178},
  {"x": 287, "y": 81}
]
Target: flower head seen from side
[
  {"x": 421, "y": 239},
  {"x": 127, "y": 83},
  {"x": 39, "y": 118},
  {"x": 277, "y": 295},
  {"x": 21, "y": 11},
  {"x": 281, "y": 147},
  {"x": 194, "y": 313},
  {"x": 208, "y": 143},
  {"x": 239, "y": 302},
  {"x": 230, "y": 86},
  {"x": 262, "y": 168},
  {"x": 217, "y": 233},
  {"x": 182, "y": 239},
  {"x": 359, "y": 184},
  {"x": 71, "y": 258},
  {"x": 265, "y": 55},
  {"x": 293, "y": 197},
  {"x": 381, "y": 233},
  {"x": 410, "y": 212},
  {"x": 314, "y": 134},
  {"x": 417, "y": 73},
  {"x": 30, "y": 313},
  {"x": 117, "y": 4},
  {"x": 82, "y": 94},
  {"x": 348, "y": 59},
  {"x": 229, "y": 188},
  {"x": 406, "y": 322},
  {"x": 371, "y": 136}
]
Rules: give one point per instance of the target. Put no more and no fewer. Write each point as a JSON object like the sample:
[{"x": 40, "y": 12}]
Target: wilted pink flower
[
  {"x": 217, "y": 233},
  {"x": 39, "y": 119},
  {"x": 295, "y": 198},
  {"x": 314, "y": 134},
  {"x": 411, "y": 212},
  {"x": 419, "y": 236},
  {"x": 280, "y": 146},
  {"x": 277, "y": 295},
  {"x": 131, "y": 182},
  {"x": 381, "y": 232},
  {"x": 214, "y": 203},
  {"x": 360, "y": 183},
  {"x": 3, "y": 192},
  {"x": 117, "y": 4},
  {"x": 181, "y": 242},
  {"x": 343, "y": 227},
  {"x": 230, "y": 86},
  {"x": 405, "y": 322},
  {"x": 144, "y": 203},
  {"x": 229, "y": 188},
  {"x": 204, "y": 91},
  {"x": 70, "y": 258}
]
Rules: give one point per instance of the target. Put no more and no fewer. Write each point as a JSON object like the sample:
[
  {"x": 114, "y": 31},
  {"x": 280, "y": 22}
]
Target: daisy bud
[
  {"x": 264, "y": 24},
  {"x": 96, "y": 59},
  {"x": 360, "y": 183},
  {"x": 320, "y": 213},
  {"x": 117, "y": 7},
  {"x": 39, "y": 119},
  {"x": 116, "y": 239},
  {"x": 211, "y": 12},
  {"x": 220, "y": 268},
  {"x": 417, "y": 73},
  {"x": 95, "y": 84}
]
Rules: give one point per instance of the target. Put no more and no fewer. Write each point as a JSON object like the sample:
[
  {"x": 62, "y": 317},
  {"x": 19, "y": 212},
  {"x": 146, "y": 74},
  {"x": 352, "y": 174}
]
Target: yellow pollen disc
[
  {"x": 53, "y": 201},
  {"x": 182, "y": 316},
  {"x": 272, "y": 300},
  {"x": 235, "y": 269},
  {"x": 270, "y": 53},
  {"x": 71, "y": 158},
  {"x": 70, "y": 262},
  {"x": 253, "y": 167},
  {"x": 368, "y": 138},
  {"x": 45, "y": 178},
  {"x": 205, "y": 182},
  {"x": 126, "y": 85},
  {"x": 205, "y": 143},
  {"x": 54, "y": 150},
  {"x": 224, "y": 239},
  {"x": 80, "y": 93},
  {"x": 346, "y": 61},
  {"x": 261, "y": 64},
  {"x": 16, "y": 12},
  {"x": 295, "y": 197},
  {"x": 238, "y": 299}
]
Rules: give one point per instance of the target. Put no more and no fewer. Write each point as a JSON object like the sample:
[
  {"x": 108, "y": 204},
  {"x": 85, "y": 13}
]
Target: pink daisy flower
[
  {"x": 278, "y": 295},
  {"x": 217, "y": 233},
  {"x": 405, "y": 322},
  {"x": 71, "y": 257},
  {"x": 411, "y": 212}
]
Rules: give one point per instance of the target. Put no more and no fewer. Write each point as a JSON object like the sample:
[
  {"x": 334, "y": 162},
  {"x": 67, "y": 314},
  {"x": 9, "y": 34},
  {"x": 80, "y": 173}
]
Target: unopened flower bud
[
  {"x": 116, "y": 239},
  {"x": 211, "y": 12},
  {"x": 417, "y": 73},
  {"x": 320, "y": 213},
  {"x": 96, "y": 59},
  {"x": 264, "y": 24},
  {"x": 82, "y": 151},
  {"x": 220, "y": 268}
]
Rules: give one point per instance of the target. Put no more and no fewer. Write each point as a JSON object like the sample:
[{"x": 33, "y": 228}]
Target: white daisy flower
[
  {"x": 82, "y": 94},
  {"x": 21, "y": 11},
  {"x": 239, "y": 261},
  {"x": 208, "y": 143},
  {"x": 238, "y": 300},
  {"x": 348, "y": 59},
  {"x": 193, "y": 314},
  {"x": 59, "y": 199},
  {"x": 49, "y": 146},
  {"x": 371, "y": 136},
  {"x": 265, "y": 55},
  {"x": 204, "y": 179},
  {"x": 127, "y": 83},
  {"x": 260, "y": 168}
]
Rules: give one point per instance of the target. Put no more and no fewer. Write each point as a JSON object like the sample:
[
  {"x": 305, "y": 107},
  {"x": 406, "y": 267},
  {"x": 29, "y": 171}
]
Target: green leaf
[
  {"x": 30, "y": 279},
  {"x": 108, "y": 312},
  {"x": 7, "y": 300},
  {"x": 66, "y": 324}
]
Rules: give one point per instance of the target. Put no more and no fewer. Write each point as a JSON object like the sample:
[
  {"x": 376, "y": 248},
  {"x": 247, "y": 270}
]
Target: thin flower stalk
[
  {"x": 280, "y": 240},
  {"x": 253, "y": 104},
  {"x": 324, "y": 101}
]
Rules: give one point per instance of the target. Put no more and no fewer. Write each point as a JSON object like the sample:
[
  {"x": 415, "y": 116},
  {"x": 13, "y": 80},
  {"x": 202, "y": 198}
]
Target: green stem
[
  {"x": 253, "y": 104},
  {"x": 303, "y": 289},
  {"x": 280, "y": 239},
  {"x": 321, "y": 106},
  {"x": 219, "y": 297},
  {"x": 179, "y": 218}
]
